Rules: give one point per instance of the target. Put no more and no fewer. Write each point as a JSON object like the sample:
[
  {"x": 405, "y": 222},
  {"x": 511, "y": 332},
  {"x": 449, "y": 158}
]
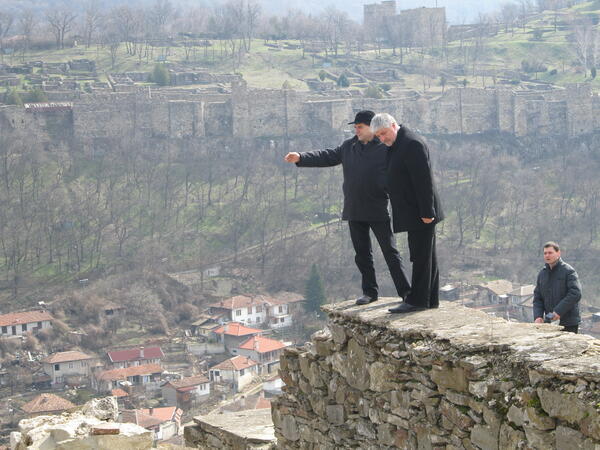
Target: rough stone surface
[
  {"x": 75, "y": 430},
  {"x": 251, "y": 429},
  {"x": 438, "y": 380}
]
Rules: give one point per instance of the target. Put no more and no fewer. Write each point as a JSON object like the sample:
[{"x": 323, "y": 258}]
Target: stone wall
[
  {"x": 450, "y": 378},
  {"x": 252, "y": 429}
]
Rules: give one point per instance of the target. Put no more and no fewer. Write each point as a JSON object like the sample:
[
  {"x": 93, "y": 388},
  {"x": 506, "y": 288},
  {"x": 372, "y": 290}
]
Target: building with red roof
[
  {"x": 147, "y": 375},
  {"x": 19, "y": 323},
  {"x": 71, "y": 367},
  {"x": 130, "y": 357},
  {"x": 47, "y": 404},
  {"x": 164, "y": 422},
  {"x": 233, "y": 334},
  {"x": 265, "y": 351},
  {"x": 238, "y": 372}
]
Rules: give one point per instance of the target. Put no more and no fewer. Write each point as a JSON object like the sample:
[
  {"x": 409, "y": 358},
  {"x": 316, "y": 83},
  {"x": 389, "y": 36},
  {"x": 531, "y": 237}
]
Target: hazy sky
[{"x": 457, "y": 11}]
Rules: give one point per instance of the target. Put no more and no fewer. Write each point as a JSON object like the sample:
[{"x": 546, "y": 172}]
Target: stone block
[
  {"x": 539, "y": 439},
  {"x": 450, "y": 378},
  {"x": 336, "y": 414},
  {"x": 568, "y": 438},
  {"x": 456, "y": 416},
  {"x": 485, "y": 437}
]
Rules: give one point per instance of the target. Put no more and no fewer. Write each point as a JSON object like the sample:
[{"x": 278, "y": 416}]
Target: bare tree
[
  {"x": 93, "y": 18},
  {"x": 6, "y": 22},
  {"x": 27, "y": 22},
  {"x": 582, "y": 40},
  {"x": 61, "y": 21}
]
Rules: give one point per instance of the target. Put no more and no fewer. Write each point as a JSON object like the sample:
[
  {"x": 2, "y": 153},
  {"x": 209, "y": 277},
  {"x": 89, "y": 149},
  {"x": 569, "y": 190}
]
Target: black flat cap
[{"x": 363, "y": 117}]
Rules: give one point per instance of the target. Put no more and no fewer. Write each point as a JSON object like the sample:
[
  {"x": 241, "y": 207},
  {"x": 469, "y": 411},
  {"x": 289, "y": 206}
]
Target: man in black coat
[
  {"x": 363, "y": 159},
  {"x": 557, "y": 291},
  {"x": 415, "y": 207}
]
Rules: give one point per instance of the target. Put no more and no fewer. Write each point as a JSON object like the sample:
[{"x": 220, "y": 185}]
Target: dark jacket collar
[{"x": 559, "y": 263}]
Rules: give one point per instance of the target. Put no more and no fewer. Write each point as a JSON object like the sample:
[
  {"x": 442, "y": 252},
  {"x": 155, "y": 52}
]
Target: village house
[
  {"x": 242, "y": 309},
  {"x": 233, "y": 334},
  {"x": 185, "y": 392},
  {"x": 493, "y": 292},
  {"x": 19, "y": 323},
  {"x": 205, "y": 324},
  {"x": 520, "y": 303},
  {"x": 147, "y": 376},
  {"x": 120, "y": 359},
  {"x": 238, "y": 371},
  {"x": 71, "y": 367},
  {"x": 47, "y": 404},
  {"x": 281, "y": 308},
  {"x": 164, "y": 422},
  {"x": 264, "y": 351}
]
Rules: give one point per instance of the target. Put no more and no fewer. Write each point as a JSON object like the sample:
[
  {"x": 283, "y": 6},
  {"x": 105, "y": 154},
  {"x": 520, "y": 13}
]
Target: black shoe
[
  {"x": 365, "y": 300},
  {"x": 404, "y": 308}
]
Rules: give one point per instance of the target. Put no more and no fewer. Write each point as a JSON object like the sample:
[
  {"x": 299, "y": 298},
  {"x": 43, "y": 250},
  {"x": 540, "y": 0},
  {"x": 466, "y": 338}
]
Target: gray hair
[{"x": 382, "y": 120}]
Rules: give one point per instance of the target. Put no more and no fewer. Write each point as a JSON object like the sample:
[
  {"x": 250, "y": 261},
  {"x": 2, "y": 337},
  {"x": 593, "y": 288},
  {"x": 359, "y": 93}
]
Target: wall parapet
[{"x": 449, "y": 378}]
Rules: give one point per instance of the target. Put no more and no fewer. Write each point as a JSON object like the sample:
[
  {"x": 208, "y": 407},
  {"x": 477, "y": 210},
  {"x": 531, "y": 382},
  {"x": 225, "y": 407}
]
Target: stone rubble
[{"x": 82, "y": 430}]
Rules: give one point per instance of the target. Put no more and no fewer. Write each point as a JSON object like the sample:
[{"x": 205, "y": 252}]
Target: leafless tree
[
  {"x": 6, "y": 22},
  {"x": 93, "y": 19},
  {"x": 61, "y": 20}
]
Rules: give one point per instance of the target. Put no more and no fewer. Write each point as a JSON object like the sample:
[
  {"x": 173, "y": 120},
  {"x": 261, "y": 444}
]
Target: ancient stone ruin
[{"x": 450, "y": 378}]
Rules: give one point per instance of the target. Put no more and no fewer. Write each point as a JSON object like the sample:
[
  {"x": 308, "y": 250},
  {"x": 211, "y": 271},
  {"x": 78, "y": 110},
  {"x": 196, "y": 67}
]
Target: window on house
[
  {"x": 24, "y": 327},
  {"x": 39, "y": 324},
  {"x": 258, "y": 320},
  {"x": 56, "y": 367},
  {"x": 238, "y": 312},
  {"x": 280, "y": 308},
  {"x": 258, "y": 309},
  {"x": 217, "y": 373},
  {"x": 282, "y": 319},
  {"x": 70, "y": 365},
  {"x": 242, "y": 371},
  {"x": 4, "y": 330}
]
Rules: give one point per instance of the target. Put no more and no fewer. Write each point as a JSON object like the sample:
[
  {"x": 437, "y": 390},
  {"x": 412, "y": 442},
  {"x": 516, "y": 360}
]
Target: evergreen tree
[
  {"x": 314, "y": 292},
  {"x": 160, "y": 75}
]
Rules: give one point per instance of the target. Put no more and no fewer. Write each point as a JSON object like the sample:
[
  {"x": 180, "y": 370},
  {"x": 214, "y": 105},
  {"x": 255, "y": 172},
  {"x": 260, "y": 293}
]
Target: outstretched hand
[
  {"x": 292, "y": 157},
  {"x": 427, "y": 219}
]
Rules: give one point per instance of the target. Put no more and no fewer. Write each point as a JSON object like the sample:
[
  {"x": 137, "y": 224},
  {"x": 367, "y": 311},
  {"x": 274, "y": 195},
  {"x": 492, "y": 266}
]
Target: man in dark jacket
[
  {"x": 415, "y": 207},
  {"x": 363, "y": 159},
  {"x": 557, "y": 291}
]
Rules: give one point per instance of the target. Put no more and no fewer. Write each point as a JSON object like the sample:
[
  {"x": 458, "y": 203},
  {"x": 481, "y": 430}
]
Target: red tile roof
[
  {"x": 72, "y": 355},
  {"x": 20, "y": 318},
  {"x": 163, "y": 414},
  {"x": 236, "y": 329},
  {"x": 47, "y": 403},
  {"x": 135, "y": 354},
  {"x": 262, "y": 344},
  {"x": 139, "y": 418},
  {"x": 239, "y": 301},
  {"x": 235, "y": 363},
  {"x": 119, "y": 393},
  {"x": 262, "y": 403},
  {"x": 122, "y": 374}
]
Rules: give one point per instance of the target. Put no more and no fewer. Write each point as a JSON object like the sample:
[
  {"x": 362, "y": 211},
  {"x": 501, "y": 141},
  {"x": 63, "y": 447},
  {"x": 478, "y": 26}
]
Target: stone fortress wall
[
  {"x": 450, "y": 378},
  {"x": 284, "y": 114}
]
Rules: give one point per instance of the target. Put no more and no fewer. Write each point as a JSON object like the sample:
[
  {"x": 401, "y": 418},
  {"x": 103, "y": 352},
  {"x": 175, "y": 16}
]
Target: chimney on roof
[
  {"x": 255, "y": 344},
  {"x": 141, "y": 352},
  {"x": 150, "y": 411}
]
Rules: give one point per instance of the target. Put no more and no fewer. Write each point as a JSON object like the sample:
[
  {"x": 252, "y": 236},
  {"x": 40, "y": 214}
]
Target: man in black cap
[{"x": 363, "y": 158}]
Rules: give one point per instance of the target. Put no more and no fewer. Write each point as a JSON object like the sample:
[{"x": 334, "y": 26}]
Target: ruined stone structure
[
  {"x": 450, "y": 378},
  {"x": 419, "y": 27},
  {"x": 287, "y": 118}
]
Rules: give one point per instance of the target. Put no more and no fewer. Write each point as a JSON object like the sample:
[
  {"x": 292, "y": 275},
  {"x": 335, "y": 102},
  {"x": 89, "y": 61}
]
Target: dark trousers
[
  {"x": 425, "y": 274},
  {"x": 361, "y": 240},
  {"x": 571, "y": 328}
]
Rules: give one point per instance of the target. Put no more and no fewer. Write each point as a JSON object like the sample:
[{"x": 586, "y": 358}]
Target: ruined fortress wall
[
  {"x": 451, "y": 378},
  {"x": 268, "y": 113}
]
